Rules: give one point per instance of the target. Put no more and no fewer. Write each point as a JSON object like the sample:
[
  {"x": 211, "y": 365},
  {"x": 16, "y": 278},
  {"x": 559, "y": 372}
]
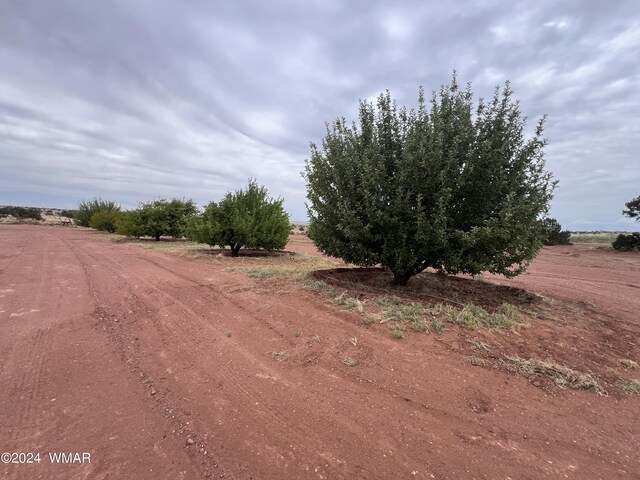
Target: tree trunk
[
  {"x": 235, "y": 248},
  {"x": 157, "y": 236},
  {"x": 400, "y": 280}
]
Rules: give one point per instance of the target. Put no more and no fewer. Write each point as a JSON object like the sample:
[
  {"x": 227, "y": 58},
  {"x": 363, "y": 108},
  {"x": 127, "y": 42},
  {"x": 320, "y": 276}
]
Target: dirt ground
[{"x": 164, "y": 366}]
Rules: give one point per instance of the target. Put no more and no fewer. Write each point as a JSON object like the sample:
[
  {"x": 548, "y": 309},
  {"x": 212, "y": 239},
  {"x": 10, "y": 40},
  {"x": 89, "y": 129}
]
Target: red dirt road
[{"x": 164, "y": 367}]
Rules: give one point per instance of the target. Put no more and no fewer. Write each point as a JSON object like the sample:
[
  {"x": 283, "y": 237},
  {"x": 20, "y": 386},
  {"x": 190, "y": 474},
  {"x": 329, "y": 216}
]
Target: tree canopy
[
  {"x": 247, "y": 218},
  {"x": 88, "y": 208},
  {"x": 448, "y": 185},
  {"x": 633, "y": 209},
  {"x": 158, "y": 218}
]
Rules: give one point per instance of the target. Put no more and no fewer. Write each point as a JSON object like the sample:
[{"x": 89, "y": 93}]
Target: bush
[
  {"x": 554, "y": 234},
  {"x": 442, "y": 186},
  {"x": 158, "y": 218},
  {"x": 105, "y": 220},
  {"x": 68, "y": 213},
  {"x": 627, "y": 243},
  {"x": 246, "y": 218},
  {"x": 87, "y": 208}
]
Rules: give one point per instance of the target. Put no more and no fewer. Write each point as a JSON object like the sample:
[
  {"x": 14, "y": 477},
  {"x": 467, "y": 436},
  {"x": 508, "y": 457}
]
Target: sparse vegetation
[
  {"x": 630, "y": 387},
  {"x": 349, "y": 362},
  {"x": 506, "y": 317},
  {"x": 561, "y": 376},
  {"x": 629, "y": 363},
  {"x": 477, "y": 344}
]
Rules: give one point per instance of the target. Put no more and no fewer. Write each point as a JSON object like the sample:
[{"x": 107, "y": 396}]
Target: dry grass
[
  {"x": 629, "y": 363},
  {"x": 561, "y": 376},
  {"x": 630, "y": 387}
]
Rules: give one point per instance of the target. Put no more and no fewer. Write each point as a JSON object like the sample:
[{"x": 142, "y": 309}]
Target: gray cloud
[{"x": 136, "y": 100}]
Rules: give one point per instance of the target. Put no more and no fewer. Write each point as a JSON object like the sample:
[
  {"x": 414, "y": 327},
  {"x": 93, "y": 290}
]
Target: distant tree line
[{"x": 22, "y": 213}]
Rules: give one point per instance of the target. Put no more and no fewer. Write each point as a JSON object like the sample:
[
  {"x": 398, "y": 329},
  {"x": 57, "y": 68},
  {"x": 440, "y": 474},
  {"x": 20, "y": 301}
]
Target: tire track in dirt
[
  {"x": 183, "y": 335},
  {"x": 242, "y": 391}
]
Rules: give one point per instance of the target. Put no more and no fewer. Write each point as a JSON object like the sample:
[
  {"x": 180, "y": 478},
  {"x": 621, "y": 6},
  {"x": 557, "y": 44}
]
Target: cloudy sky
[{"x": 134, "y": 100}]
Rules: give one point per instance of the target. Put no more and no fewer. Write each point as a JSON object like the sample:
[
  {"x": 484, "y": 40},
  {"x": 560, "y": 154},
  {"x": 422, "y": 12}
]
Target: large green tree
[
  {"x": 158, "y": 218},
  {"x": 450, "y": 185},
  {"x": 247, "y": 218}
]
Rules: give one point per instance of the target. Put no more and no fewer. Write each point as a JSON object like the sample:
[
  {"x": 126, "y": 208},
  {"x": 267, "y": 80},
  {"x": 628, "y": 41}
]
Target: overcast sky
[{"x": 135, "y": 100}]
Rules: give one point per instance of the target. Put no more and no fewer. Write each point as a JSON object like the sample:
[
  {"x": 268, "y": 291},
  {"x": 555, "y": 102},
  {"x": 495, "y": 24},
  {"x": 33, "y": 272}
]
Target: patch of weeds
[
  {"x": 472, "y": 317},
  {"x": 629, "y": 363},
  {"x": 279, "y": 354},
  {"x": 478, "y": 362},
  {"x": 369, "y": 318},
  {"x": 397, "y": 332},
  {"x": 437, "y": 326},
  {"x": 354, "y": 340},
  {"x": 228, "y": 334},
  {"x": 388, "y": 301},
  {"x": 563, "y": 377},
  {"x": 297, "y": 334},
  {"x": 478, "y": 344},
  {"x": 419, "y": 325},
  {"x": 349, "y": 362},
  {"x": 296, "y": 266},
  {"x": 404, "y": 312},
  {"x": 630, "y": 387}
]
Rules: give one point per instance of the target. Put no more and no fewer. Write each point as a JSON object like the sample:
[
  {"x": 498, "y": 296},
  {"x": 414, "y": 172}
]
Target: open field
[{"x": 173, "y": 360}]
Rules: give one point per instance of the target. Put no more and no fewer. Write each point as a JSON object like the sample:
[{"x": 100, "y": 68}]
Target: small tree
[
  {"x": 87, "y": 208},
  {"x": 633, "y": 209},
  {"x": 105, "y": 220},
  {"x": 442, "y": 186},
  {"x": 162, "y": 217},
  {"x": 247, "y": 218},
  {"x": 554, "y": 235}
]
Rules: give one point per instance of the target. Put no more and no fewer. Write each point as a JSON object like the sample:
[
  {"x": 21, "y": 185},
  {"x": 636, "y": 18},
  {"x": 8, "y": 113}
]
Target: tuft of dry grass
[
  {"x": 629, "y": 363},
  {"x": 630, "y": 387},
  {"x": 478, "y": 344},
  {"x": 561, "y": 376},
  {"x": 479, "y": 362}
]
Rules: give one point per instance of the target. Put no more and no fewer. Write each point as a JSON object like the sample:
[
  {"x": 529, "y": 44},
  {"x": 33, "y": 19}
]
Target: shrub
[
  {"x": 87, "y": 208},
  {"x": 246, "y": 218},
  {"x": 627, "y": 243},
  {"x": 105, "y": 220},
  {"x": 441, "y": 186}
]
